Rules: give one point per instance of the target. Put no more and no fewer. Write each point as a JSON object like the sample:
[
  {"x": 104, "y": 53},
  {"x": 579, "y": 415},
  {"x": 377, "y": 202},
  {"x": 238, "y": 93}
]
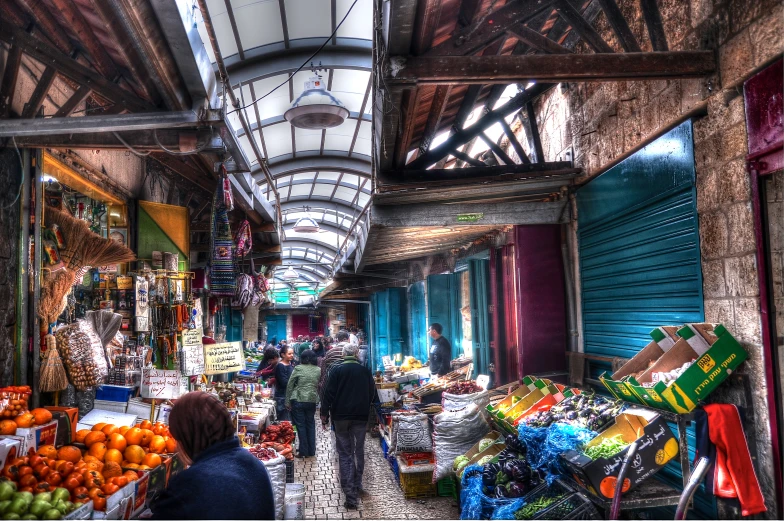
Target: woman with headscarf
[
  {"x": 267, "y": 366},
  {"x": 318, "y": 348},
  {"x": 224, "y": 481},
  {"x": 282, "y": 374}
]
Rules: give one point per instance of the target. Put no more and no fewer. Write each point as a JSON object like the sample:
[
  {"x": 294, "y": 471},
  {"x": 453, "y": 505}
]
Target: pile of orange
[
  {"x": 137, "y": 447},
  {"x": 25, "y": 420}
]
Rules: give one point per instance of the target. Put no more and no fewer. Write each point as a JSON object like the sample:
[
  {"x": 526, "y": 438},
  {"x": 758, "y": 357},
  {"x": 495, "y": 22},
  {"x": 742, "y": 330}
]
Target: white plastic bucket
[{"x": 294, "y": 507}]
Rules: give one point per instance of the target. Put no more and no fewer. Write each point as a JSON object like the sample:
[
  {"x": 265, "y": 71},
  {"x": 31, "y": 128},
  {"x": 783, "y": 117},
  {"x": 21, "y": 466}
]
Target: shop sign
[
  {"x": 223, "y": 358},
  {"x": 469, "y": 217},
  {"x": 160, "y": 384}
]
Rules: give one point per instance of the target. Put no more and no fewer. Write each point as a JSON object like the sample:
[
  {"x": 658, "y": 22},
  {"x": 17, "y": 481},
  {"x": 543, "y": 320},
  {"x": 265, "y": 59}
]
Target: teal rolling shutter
[
  {"x": 418, "y": 320},
  {"x": 389, "y": 320},
  {"x": 443, "y": 306},
  {"x": 479, "y": 275},
  {"x": 640, "y": 255}
]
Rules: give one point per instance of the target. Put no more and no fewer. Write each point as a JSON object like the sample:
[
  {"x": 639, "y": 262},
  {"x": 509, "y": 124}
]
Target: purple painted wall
[{"x": 541, "y": 300}]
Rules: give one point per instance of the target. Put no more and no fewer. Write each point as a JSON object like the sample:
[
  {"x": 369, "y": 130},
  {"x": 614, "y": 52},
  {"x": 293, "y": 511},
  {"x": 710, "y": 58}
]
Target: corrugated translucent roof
[{"x": 263, "y": 43}]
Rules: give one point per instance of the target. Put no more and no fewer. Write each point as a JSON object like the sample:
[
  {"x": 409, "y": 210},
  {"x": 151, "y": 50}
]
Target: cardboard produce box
[
  {"x": 716, "y": 354},
  {"x": 664, "y": 339},
  {"x": 551, "y": 395},
  {"x": 9, "y": 450},
  {"x": 68, "y": 418},
  {"x": 657, "y": 447},
  {"x": 528, "y": 385},
  {"x": 34, "y": 437}
]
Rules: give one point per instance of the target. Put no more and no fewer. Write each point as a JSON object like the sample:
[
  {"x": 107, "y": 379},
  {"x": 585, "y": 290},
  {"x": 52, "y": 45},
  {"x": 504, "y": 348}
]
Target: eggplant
[
  {"x": 500, "y": 491},
  {"x": 571, "y": 415},
  {"x": 517, "y": 489}
]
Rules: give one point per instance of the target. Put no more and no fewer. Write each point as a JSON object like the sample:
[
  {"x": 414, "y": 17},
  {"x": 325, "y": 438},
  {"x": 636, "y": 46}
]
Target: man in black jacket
[
  {"x": 349, "y": 394},
  {"x": 440, "y": 351}
]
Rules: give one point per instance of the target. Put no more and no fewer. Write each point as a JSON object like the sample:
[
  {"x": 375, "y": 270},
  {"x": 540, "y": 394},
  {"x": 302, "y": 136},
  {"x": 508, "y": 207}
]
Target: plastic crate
[
  {"x": 447, "y": 487},
  {"x": 114, "y": 393},
  {"x": 575, "y": 506},
  {"x": 412, "y": 459},
  {"x": 557, "y": 492},
  {"x": 417, "y": 485},
  {"x": 289, "y": 471}
]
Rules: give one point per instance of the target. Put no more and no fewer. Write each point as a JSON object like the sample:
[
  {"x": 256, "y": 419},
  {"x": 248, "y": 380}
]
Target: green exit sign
[{"x": 469, "y": 217}]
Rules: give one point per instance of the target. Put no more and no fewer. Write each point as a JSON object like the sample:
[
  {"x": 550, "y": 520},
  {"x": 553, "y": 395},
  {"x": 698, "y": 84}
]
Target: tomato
[
  {"x": 18, "y": 462},
  {"x": 109, "y": 489},
  {"x": 65, "y": 468},
  {"x": 120, "y": 481},
  {"x": 54, "y": 479},
  {"x": 43, "y": 487},
  {"x": 79, "y": 477},
  {"x": 92, "y": 478},
  {"x": 35, "y": 459},
  {"x": 28, "y": 480},
  {"x": 41, "y": 471},
  {"x": 99, "y": 503},
  {"x": 27, "y": 489},
  {"x": 25, "y": 470},
  {"x": 94, "y": 492}
]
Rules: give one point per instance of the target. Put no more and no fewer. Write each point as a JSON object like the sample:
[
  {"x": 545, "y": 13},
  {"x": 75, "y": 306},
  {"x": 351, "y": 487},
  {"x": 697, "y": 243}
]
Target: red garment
[{"x": 734, "y": 476}]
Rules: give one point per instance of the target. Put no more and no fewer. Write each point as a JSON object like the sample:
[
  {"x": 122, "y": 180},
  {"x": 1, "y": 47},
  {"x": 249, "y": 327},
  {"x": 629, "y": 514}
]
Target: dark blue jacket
[{"x": 224, "y": 482}]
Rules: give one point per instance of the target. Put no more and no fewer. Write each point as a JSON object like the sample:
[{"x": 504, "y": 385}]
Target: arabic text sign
[
  {"x": 160, "y": 384},
  {"x": 191, "y": 337},
  {"x": 192, "y": 360},
  {"x": 223, "y": 358}
]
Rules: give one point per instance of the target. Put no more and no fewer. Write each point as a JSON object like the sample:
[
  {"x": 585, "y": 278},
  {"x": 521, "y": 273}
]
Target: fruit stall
[{"x": 540, "y": 449}]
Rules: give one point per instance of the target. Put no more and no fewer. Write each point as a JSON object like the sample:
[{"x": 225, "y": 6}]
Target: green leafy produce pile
[
  {"x": 606, "y": 448},
  {"x": 531, "y": 509}
]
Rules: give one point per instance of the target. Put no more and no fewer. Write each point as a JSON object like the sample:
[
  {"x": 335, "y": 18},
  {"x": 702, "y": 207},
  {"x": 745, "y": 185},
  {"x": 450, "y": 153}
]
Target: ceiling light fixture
[
  {"x": 290, "y": 274},
  {"x": 316, "y": 107},
  {"x": 306, "y": 224}
]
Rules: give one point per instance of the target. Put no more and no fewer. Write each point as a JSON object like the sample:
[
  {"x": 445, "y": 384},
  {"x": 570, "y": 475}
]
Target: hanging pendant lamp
[
  {"x": 306, "y": 224},
  {"x": 316, "y": 107},
  {"x": 290, "y": 274}
]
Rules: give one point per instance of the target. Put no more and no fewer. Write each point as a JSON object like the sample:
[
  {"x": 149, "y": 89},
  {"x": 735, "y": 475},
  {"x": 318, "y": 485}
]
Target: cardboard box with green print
[{"x": 704, "y": 356}]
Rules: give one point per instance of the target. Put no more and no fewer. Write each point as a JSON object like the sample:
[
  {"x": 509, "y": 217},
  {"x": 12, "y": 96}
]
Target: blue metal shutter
[
  {"x": 418, "y": 320},
  {"x": 479, "y": 274},
  {"x": 389, "y": 332},
  {"x": 443, "y": 306},
  {"x": 640, "y": 257}
]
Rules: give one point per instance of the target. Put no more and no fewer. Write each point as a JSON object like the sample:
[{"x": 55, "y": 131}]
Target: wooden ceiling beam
[
  {"x": 533, "y": 130},
  {"x": 8, "y": 86},
  {"x": 518, "y": 148},
  {"x": 536, "y": 40},
  {"x": 405, "y": 177},
  {"x": 69, "y": 67},
  {"x": 428, "y": 13},
  {"x": 653, "y": 21},
  {"x": 581, "y": 25},
  {"x": 561, "y": 68},
  {"x": 412, "y": 101},
  {"x": 76, "y": 98},
  {"x": 620, "y": 26},
  {"x": 45, "y": 19},
  {"x": 185, "y": 170},
  {"x": 41, "y": 88},
  {"x": 437, "y": 107},
  {"x": 486, "y": 30},
  {"x": 76, "y": 21}
]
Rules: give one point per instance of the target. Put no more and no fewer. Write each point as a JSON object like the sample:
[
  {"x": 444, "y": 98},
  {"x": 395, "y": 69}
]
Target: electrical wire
[
  {"x": 321, "y": 48},
  {"x": 129, "y": 147},
  {"x": 21, "y": 181}
]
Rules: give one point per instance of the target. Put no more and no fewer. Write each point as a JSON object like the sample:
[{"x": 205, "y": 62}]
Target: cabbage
[
  {"x": 486, "y": 442},
  {"x": 460, "y": 463},
  {"x": 485, "y": 459}
]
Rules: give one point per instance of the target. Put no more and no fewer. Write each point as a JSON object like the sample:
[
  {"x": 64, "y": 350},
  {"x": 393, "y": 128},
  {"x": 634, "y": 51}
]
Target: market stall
[{"x": 540, "y": 449}]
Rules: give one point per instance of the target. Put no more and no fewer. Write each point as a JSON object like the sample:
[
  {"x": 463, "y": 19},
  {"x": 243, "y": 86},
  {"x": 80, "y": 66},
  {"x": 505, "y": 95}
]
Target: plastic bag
[
  {"x": 84, "y": 355},
  {"x": 545, "y": 445},
  {"x": 276, "y": 468},
  {"x": 455, "y": 432},
  {"x": 412, "y": 433},
  {"x": 454, "y": 402},
  {"x": 475, "y": 504}
]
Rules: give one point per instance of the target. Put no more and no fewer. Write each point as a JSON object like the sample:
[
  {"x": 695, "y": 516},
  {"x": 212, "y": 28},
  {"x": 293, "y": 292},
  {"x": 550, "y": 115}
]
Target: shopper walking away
[
  {"x": 333, "y": 357},
  {"x": 347, "y": 400},
  {"x": 301, "y": 400},
  {"x": 224, "y": 481},
  {"x": 282, "y": 374},
  {"x": 352, "y": 336},
  {"x": 440, "y": 351}
]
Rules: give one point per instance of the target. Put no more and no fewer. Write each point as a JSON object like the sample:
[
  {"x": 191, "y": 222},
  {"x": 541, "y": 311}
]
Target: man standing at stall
[
  {"x": 440, "y": 351},
  {"x": 347, "y": 399}
]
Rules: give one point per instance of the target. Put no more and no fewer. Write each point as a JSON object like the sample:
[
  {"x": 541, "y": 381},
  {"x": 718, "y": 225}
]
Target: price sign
[
  {"x": 191, "y": 337},
  {"x": 192, "y": 352},
  {"x": 160, "y": 384},
  {"x": 221, "y": 358},
  {"x": 241, "y": 401}
]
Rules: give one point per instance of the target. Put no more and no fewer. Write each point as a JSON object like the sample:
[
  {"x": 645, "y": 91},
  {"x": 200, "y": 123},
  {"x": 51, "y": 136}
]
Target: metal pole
[
  {"x": 23, "y": 278},
  {"x": 38, "y": 187}
]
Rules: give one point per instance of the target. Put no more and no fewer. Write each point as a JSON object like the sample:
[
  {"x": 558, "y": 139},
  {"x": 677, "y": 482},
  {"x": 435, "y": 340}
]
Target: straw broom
[
  {"x": 53, "y": 377},
  {"x": 55, "y": 286}
]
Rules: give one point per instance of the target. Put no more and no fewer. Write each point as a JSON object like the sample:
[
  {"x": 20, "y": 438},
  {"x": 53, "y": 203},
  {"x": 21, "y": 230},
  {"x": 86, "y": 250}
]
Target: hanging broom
[
  {"x": 54, "y": 288},
  {"x": 53, "y": 377}
]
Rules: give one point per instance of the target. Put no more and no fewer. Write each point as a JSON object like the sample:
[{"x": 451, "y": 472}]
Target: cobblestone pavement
[{"x": 324, "y": 499}]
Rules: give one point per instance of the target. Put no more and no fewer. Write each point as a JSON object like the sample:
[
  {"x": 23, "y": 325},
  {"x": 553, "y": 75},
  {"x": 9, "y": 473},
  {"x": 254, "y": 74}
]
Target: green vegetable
[
  {"x": 606, "y": 448},
  {"x": 485, "y": 443},
  {"x": 460, "y": 463},
  {"x": 530, "y": 510},
  {"x": 485, "y": 459}
]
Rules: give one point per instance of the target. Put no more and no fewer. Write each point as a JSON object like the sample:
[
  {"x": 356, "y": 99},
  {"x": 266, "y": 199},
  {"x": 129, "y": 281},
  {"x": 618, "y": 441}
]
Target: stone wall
[
  {"x": 599, "y": 124},
  {"x": 10, "y": 177}
]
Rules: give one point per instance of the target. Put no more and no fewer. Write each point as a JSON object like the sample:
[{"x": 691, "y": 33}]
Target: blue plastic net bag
[
  {"x": 545, "y": 445},
  {"x": 475, "y": 504}
]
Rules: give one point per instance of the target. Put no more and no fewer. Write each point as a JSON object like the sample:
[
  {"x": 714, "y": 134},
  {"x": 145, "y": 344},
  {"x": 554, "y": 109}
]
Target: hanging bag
[{"x": 222, "y": 272}]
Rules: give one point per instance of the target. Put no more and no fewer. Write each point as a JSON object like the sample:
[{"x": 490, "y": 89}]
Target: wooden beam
[
  {"x": 466, "y": 158},
  {"x": 498, "y": 151},
  {"x": 559, "y": 68},
  {"x": 487, "y": 29},
  {"x": 412, "y": 101},
  {"x": 495, "y": 214},
  {"x": 77, "y": 23},
  {"x": 579, "y": 24},
  {"x": 426, "y": 23},
  {"x": 402, "y": 18},
  {"x": 8, "y": 86},
  {"x": 518, "y": 148},
  {"x": 530, "y": 170},
  {"x": 461, "y": 136},
  {"x": 653, "y": 21},
  {"x": 266, "y": 248},
  {"x": 536, "y": 40},
  {"x": 534, "y": 129},
  {"x": 185, "y": 170},
  {"x": 41, "y": 88},
  {"x": 76, "y": 98},
  {"x": 69, "y": 67},
  {"x": 437, "y": 107},
  {"x": 46, "y": 20},
  {"x": 619, "y": 25}
]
